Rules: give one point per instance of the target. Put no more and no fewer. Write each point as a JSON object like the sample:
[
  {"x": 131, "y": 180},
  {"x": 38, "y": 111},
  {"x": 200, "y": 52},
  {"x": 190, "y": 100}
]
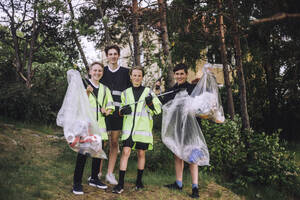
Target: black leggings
[{"x": 80, "y": 163}]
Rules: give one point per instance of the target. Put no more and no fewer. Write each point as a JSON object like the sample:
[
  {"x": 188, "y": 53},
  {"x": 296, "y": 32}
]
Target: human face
[
  {"x": 136, "y": 77},
  {"x": 112, "y": 56},
  {"x": 180, "y": 76},
  {"x": 96, "y": 72}
]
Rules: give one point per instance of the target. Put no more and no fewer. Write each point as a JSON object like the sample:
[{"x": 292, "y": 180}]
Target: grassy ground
[{"x": 36, "y": 163}]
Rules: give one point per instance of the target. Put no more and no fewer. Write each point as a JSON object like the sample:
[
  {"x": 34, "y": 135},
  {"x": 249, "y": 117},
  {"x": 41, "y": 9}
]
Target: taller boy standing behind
[{"x": 117, "y": 79}]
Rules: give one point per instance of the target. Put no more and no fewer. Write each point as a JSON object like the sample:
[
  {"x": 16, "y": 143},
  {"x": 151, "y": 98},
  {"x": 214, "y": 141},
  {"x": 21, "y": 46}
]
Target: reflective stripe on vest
[
  {"x": 125, "y": 95},
  {"x": 117, "y": 104},
  {"x": 110, "y": 103},
  {"x": 142, "y": 114},
  {"x": 102, "y": 130},
  {"x": 143, "y": 133},
  {"x": 116, "y": 92}
]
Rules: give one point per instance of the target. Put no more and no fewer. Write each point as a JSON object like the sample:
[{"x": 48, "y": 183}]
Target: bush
[
  {"x": 41, "y": 102},
  {"x": 225, "y": 145},
  {"x": 268, "y": 162},
  {"x": 249, "y": 157}
]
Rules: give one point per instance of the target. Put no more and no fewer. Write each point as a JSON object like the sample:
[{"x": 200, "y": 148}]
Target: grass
[{"x": 36, "y": 166}]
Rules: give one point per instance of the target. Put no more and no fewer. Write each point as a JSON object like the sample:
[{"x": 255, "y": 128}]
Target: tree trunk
[
  {"x": 82, "y": 54},
  {"x": 128, "y": 30},
  {"x": 135, "y": 34},
  {"x": 34, "y": 35},
  {"x": 271, "y": 91},
  {"x": 98, "y": 4},
  {"x": 165, "y": 41},
  {"x": 230, "y": 104},
  {"x": 18, "y": 62},
  {"x": 240, "y": 72}
]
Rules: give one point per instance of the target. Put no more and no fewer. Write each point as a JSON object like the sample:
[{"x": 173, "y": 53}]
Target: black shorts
[
  {"x": 114, "y": 122},
  {"x": 137, "y": 145}
]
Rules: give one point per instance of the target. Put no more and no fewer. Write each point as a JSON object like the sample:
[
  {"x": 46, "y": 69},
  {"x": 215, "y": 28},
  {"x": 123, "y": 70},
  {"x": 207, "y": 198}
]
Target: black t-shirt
[
  {"x": 189, "y": 87},
  {"x": 116, "y": 81},
  {"x": 95, "y": 90},
  {"x": 137, "y": 92}
]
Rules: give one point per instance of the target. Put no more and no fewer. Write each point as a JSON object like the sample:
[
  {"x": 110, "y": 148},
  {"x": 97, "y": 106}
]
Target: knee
[
  {"x": 114, "y": 144},
  {"x": 126, "y": 152},
  {"x": 141, "y": 154}
]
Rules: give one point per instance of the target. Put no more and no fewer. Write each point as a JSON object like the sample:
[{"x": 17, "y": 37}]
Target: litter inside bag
[
  {"x": 78, "y": 120},
  {"x": 181, "y": 132},
  {"x": 206, "y": 100}
]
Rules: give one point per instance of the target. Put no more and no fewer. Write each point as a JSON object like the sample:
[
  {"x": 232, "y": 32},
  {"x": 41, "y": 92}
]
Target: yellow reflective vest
[
  {"x": 140, "y": 122},
  {"x": 105, "y": 100}
]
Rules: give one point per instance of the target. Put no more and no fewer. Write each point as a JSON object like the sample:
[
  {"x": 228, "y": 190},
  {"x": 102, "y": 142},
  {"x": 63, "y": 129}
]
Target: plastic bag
[
  {"x": 206, "y": 100},
  {"x": 181, "y": 132},
  {"x": 78, "y": 120}
]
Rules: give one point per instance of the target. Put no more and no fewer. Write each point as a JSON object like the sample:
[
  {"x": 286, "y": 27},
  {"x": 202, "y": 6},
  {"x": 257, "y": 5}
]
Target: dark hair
[
  {"x": 96, "y": 63},
  {"x": 137, "y": 68},
  {"x": 179, "y": 67},
  {"x": 112, "y": 47}
]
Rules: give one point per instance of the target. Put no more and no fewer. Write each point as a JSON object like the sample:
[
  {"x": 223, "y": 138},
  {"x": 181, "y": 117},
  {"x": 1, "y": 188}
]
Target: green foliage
[
  {"x": 39, "y": 103},
  {"x": 161, "y": 158},
  {"x": 225, "y": 145},
  {"x": 269, "y": 162},
  {"x": 185, "y": 29},
  {"x": 249, "y": 157}
]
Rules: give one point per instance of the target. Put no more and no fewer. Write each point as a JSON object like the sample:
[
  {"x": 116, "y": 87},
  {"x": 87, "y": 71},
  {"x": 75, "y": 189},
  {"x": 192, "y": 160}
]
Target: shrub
[
  {"x": 269, "y": 162},
  {"x": 39, "y": 103},
  {"x": 249, "y": 157}
]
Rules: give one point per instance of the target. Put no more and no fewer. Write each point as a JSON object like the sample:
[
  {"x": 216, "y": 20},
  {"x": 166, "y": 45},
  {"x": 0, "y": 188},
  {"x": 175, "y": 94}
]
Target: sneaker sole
[
  {"x": 77, "y": 193},
  {"x": 118, "y": 192},
  {"x": 98, "y": 186}
]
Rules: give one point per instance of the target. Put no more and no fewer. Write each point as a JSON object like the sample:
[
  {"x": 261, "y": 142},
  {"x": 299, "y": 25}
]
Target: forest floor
[{"x": 37, "y": 164}]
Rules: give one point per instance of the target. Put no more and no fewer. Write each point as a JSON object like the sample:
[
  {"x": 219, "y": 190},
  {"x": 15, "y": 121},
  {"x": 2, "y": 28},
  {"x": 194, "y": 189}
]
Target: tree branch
[
  {"x": 276, "y": 17},
  {"x": 5, "y": 10}
]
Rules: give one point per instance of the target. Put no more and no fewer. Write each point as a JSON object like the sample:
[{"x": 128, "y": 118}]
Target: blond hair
[
  {"x": 96, "y": 63},
  {"x": 137, "y": 68}
]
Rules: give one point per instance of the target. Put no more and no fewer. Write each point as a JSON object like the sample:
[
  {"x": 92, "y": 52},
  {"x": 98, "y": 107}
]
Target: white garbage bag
[
  {"x": 206, "y": 100},
  {"x": 78, "y": 120},
  {"x": 181, "y": 132}
]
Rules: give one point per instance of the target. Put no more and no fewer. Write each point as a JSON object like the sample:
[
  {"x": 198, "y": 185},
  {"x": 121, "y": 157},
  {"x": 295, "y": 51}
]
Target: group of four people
[{"x": 122, "y": 104}]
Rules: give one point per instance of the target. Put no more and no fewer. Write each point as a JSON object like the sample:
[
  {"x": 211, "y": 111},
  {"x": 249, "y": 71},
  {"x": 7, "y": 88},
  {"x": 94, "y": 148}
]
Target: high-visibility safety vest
[
  {"x": 105, "y": 100},
  {"x": 139, "y": 123}
]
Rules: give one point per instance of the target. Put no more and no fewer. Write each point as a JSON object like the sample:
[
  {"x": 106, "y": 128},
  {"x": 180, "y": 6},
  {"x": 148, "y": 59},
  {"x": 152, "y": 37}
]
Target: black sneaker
[
  {"x": 139, "y": 186},
  {"x": 195, "y": 193},
  {"x": 77, "y": 189},
  {"x": 97, "y": 183},
  {"x": 118, "y": 189},
  {"x": 173, "y": 186}
]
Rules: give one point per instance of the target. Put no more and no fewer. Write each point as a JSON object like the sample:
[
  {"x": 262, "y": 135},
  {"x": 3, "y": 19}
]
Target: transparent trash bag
[
  {"x": 181, "y": 132},
  {"x": 78, "y": 121},
  {"x": 206, "y": 100}
]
